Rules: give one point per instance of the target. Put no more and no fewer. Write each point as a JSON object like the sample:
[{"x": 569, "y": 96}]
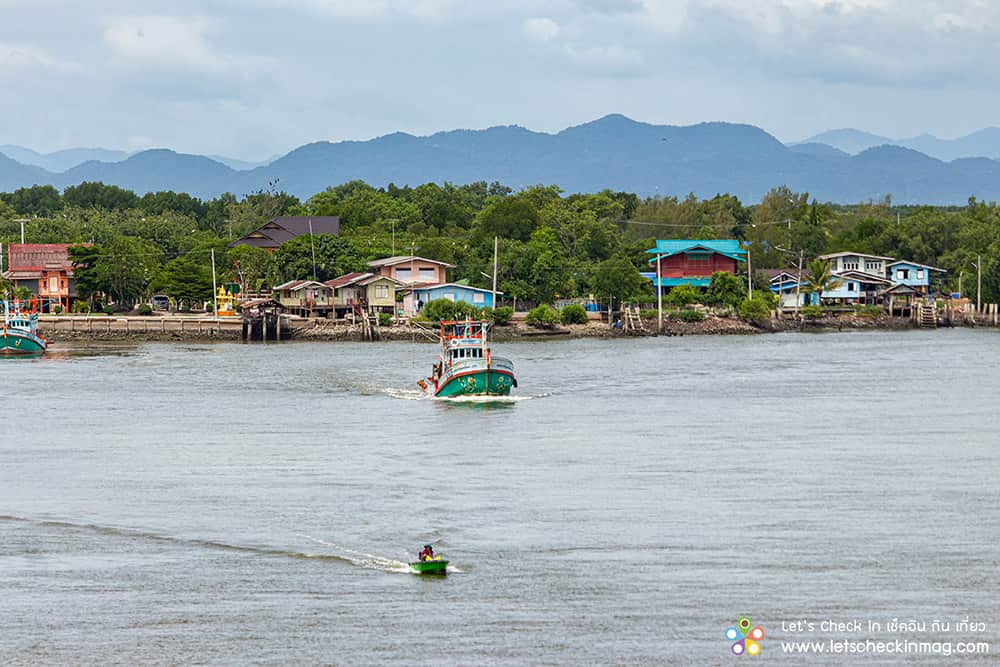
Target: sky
[{"x": 251, "y": 79}]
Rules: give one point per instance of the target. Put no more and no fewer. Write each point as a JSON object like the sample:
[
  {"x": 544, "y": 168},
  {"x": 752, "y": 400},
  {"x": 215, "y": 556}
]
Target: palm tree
[{"x": 820, "y": 279}]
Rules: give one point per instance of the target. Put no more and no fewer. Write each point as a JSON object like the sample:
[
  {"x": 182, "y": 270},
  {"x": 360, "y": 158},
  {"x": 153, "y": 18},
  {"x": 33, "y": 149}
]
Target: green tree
[
  {"x": 85, "y": 276},
  {"x": 617, "y": 277},
  {"x": 251, "y": 266},
  {"x": 185, "y": 280},
  {"x": 293, "y": 259},
  {"x": 819, "y": 278},
  {"x": 98, "y": 195},
  {"x": 125, "y": 266}
]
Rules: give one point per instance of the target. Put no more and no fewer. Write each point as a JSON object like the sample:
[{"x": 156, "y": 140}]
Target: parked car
[{"x": 160, "y": 302}]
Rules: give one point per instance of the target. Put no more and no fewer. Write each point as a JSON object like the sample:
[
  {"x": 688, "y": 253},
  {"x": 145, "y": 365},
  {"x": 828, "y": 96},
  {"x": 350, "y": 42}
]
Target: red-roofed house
[{"x": 45, "y": 269}]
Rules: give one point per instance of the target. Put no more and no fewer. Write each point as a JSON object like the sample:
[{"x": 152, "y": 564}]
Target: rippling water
[{"x": 229, "y": 503}]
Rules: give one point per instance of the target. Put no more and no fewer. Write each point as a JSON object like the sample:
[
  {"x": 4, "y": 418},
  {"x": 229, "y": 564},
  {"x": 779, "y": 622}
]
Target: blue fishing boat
[{"x": 20, "y": 330}]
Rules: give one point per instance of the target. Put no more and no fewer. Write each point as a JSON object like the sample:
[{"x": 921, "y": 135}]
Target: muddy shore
[{"x": 150, "y": 329}]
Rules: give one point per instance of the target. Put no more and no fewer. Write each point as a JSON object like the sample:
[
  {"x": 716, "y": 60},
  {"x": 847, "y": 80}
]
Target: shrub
[
  {"x": 57, "y": 310},
  {"x": 384, "y": 319},
  {"x": 574, "y": 313},
  {"x": 683, "y": 295},
  {"x": 689, "y": 316},
  {"x": 502, "y": 315},
  {"x": 438, "y": 309},
  {"x": 756, "y": 309},
  {"x": 543, "y": 316},
  {"x": 725, "y": 290},
  {"x": 80, "y": 307},
  {"x": 811, "y": 311},
  {"x": 109, "y": 309},
  {"x": 145, "y": 309},
  {"x": 868, "y": 311},
  {"x": 648, "y": 313}
]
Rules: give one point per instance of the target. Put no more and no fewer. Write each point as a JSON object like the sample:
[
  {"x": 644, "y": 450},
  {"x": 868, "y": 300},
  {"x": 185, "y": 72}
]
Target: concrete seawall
[{"x": 150, "y": 328}]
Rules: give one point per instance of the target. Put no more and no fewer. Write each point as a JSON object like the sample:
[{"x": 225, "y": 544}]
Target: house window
[
  {"x": 873, "y": 266},
  {"x": 403, "y": 274},
  {"x": 428, "y": 275},
  {"x": 381, "y": 291},
  {"x": 920, "y": 274},
  {"x": 902, "y": 274},
  {"x": 851, "y": 266},
  {"x": 852, "y": 287},
  {"x": 478, "y": 297},
  {"x": 448, "y": 295},
  {"x": 53, "y": 284}
]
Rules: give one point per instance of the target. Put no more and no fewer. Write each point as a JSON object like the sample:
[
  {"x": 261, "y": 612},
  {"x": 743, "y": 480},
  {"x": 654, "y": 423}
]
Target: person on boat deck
[{"x": 427, "y": 553}]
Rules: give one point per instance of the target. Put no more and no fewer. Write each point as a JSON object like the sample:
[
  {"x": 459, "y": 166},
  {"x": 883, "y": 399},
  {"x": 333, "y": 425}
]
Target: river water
[{"x": 227, "y": 503}]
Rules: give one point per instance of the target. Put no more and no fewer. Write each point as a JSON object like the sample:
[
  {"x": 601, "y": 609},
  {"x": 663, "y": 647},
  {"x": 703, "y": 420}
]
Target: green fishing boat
[
  {"x": 19, "y": 335},
  {"x": 466, "y": 366}
]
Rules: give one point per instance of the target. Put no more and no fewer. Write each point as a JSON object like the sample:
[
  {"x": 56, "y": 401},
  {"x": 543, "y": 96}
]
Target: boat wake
[
  {"x": 418, "y": 395},
  {"x": 370, "y": 561},
  {"x": 342, "y": 554}
]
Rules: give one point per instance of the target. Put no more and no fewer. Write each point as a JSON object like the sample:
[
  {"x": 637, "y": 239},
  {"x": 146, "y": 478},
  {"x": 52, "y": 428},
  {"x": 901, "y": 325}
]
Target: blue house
[
  {"x": 913, "y": 275},
  {"x": 478, "y": 297}
]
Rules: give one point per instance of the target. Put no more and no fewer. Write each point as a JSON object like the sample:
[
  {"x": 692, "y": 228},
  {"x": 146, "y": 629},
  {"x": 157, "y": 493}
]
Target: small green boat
[
  {"x": 466, "y": 366},
  {"x": 429, "y": 567}
]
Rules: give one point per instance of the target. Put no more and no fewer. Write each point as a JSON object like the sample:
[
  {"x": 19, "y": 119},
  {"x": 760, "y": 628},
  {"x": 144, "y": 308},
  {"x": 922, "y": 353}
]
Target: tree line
[{"x": 552, "y": 244}]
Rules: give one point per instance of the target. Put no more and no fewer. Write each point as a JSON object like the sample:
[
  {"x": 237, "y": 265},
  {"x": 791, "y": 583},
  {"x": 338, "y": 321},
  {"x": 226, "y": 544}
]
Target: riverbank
[{"x": 191, "y": 329}]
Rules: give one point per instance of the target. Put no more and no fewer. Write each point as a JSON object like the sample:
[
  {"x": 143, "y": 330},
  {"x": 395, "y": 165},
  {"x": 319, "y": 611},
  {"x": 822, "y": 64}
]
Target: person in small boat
[{"x": 427, "y": 553}]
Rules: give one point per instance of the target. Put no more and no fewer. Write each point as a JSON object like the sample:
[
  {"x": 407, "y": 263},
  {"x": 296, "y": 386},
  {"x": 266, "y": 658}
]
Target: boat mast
[{"x": 496, "y": 241}]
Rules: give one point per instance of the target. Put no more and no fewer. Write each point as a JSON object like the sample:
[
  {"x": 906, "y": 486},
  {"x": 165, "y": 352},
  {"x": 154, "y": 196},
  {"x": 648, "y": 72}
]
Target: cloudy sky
[{"x": 252, "y": 78}]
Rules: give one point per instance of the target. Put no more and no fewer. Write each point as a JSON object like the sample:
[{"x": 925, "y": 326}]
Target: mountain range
[
  {"x": 612, "y": 152},
  {"x": 982, "y": 143}
]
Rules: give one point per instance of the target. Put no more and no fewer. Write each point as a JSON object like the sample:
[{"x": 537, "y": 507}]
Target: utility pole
[
  {"x": 1, "y": 259},
  {"x": 496, "y": 245},
  {"x": 22, "y": 221},
  {"x": 749, "y": 275},
  {"x": 798, "y": 283},
  {"x": 979, "y": 283},
  {"x": 312, "y": 244},
  {"x": 960, "y": 284},
  {"x": 215, "y": 290},
  {"x": 659, "y": 297}
]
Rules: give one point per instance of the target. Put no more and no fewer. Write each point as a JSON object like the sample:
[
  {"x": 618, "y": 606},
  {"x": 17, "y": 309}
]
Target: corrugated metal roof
[
  {"x": 41, "y": 256},
  {"x": 402, "y": 259},
  {"x": 436, "y": 286},
  {"x": 727, "y": 247},
  {"x": 675, "y": 282},
  {"x": 347, "y": 279}
]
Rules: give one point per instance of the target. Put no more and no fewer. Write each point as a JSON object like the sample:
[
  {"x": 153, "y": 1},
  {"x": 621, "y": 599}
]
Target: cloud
[
  {"x": 605, "y": 59},
  {"x": 166, "y": 42},
  {"x": 24, "y": 56},
  {"x": 540, "y": 29},
  {"x": 872, "y": 42},
  {"x": 369, "y": 10}
]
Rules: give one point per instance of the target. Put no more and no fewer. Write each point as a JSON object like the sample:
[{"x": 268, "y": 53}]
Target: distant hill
[
  {"x": 982, "y": 143},
  {"x": 848, "y": 140},
  {"x": 612, "y": 152},
  {"x": 60, "y": 161}
]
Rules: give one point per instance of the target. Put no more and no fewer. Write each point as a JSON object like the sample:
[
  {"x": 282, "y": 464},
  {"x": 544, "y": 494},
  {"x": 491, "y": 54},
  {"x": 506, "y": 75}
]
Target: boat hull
[
  {"x": 481, "y": 382},
  {"x": 429, "y": 567},
  {"x": 14, "y": 342}
]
